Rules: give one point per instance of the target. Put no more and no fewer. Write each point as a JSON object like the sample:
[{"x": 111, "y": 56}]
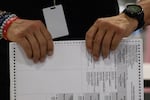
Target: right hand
[
  {"x": 33, "y": 37},
  {"x": 106, "y": 34}
]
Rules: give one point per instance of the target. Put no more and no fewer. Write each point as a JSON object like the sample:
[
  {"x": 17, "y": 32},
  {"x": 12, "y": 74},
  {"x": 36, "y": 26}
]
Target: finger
[
  {"x": 97, "y": 44},
  {"x": 115, "y": 41},
  {"x": 24, "y": 43},
  {"x": 90, "y": 37},
  {"x": 42, "y": 45},
  {"x": 48, "y": 37},
  {"x": 106, "y": 43},
  {"x": 34, "y": 46}
]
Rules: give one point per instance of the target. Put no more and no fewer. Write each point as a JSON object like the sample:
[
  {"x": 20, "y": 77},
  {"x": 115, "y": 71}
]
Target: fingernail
[
  {"x": 112, "y": 48},
  {"x": 50, "y": 53},
  {"x": 95, "y": 58},
  {"x": 104, "y": 56},
  {"x": 89, "y": 50},
  {"x": 42, "y": 59},
  {"x": 35, "y": 61}
]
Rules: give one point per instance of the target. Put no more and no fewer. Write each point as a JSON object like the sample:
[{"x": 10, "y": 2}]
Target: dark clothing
[{"x": 80, "y": 15}]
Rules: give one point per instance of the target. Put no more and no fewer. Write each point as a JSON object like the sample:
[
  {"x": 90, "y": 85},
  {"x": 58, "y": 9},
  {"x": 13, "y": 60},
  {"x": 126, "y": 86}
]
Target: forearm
[{"x": 146, "y": 6}]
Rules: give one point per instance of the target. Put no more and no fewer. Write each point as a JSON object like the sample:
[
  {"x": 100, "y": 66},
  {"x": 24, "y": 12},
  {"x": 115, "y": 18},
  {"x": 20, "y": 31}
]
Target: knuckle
[
  {"x": 96, "y": 41},
  {"x": 105, "y": 44},
  {"x": 120, "y": 32},
  {"x": 43, "y": 42},
  {"x": 36, "y": 24},
  {"x": 100, "y": 21},
  {"x": 88, "y": 35}
]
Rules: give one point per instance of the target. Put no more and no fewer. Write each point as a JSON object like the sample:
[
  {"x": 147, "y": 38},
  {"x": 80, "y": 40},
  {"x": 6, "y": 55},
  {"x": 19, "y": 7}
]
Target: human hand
[
  {"x": 33, "y": 37},
  {"x": 106, "y": 33}
]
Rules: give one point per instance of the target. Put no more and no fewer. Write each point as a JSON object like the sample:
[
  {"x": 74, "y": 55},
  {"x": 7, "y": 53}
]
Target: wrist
[
  {"x": 132, "y": 22},
  {"x": 6, "y": 19},
  {"x": 145, "y": 5}
]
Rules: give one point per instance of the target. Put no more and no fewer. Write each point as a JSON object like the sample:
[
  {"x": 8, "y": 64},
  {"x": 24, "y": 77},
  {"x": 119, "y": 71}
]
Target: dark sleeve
[{"x": 4, "y": 70}]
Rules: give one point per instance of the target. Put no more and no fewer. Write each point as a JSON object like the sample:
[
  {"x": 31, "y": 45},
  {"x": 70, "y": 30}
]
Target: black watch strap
[{"x": 136, "y": 12}]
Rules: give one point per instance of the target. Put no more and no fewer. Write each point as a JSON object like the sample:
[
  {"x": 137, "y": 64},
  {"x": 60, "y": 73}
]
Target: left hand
[{"x": 106, "y": 33}]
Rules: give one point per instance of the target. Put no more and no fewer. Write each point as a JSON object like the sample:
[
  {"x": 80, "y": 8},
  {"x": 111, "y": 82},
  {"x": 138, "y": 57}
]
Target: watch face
[{"x": 134, "y": 8}]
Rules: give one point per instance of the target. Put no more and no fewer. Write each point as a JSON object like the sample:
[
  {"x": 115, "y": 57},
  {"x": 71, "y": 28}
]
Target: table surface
[{"x": 146, "y": 71}]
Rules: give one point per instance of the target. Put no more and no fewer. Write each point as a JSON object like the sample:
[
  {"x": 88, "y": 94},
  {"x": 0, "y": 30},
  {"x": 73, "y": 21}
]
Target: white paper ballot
[
  {"x": 55, "y": 21},
  {"x": 72, "y": 74}
]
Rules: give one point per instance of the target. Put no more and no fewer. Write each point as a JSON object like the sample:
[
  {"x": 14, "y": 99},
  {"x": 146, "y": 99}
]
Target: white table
[{"x": 146, "y": 71}]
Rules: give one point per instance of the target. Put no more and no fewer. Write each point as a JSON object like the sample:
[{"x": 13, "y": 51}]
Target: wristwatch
[{"x": 135, "y": 11}]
